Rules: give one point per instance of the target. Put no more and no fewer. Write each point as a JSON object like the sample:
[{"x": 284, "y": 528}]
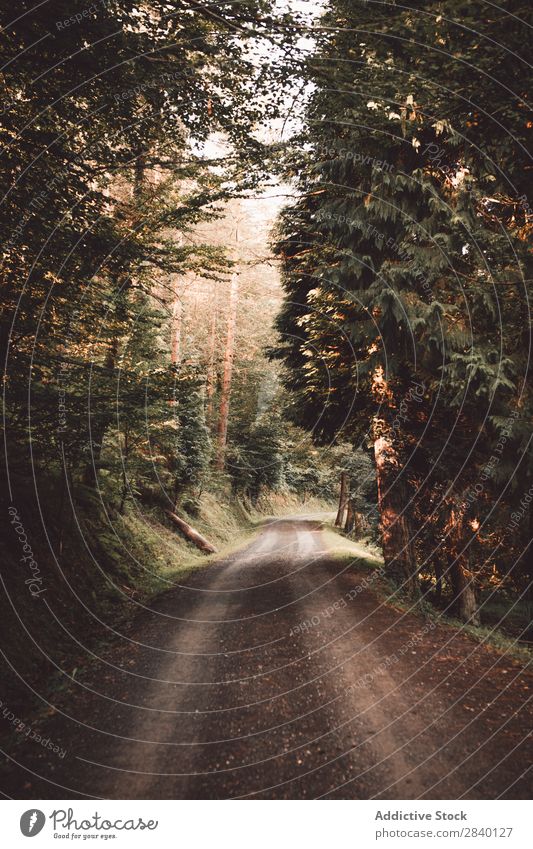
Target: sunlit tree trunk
[
  {"x": 350, "y": 516},
  {"x": 343, "y": 496},
  {"x": 225, "y": 394},
  {"x": 393, "y": 502}
]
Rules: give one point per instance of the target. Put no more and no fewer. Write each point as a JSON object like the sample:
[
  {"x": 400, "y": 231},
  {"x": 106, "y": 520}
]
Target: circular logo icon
[{"x": 32, "y": 822}]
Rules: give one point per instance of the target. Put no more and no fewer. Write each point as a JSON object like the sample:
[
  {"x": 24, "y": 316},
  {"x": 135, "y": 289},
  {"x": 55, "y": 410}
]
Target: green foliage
[
  {"x": 405, "y": 256},
  {"x": 256, "y": 459},
  {"x": 105, "y": 112}
]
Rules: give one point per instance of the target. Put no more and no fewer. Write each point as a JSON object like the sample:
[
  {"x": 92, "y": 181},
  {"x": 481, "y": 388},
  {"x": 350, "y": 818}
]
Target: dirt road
[{"x": 276, "y": 673}]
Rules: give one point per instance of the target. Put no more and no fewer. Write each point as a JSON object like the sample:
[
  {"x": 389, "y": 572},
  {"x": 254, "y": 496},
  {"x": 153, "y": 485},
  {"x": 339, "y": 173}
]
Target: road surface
[{"x": 277, "y": 673}]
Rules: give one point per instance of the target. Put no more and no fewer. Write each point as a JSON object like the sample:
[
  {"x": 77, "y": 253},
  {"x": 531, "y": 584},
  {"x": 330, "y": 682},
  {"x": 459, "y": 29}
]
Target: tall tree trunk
[
  {"x": 122, "y": 282},
  {"x": 100, "y": 419},
  {"x": 227, "y": 373},
  {"x": 139, "y": 180},
  {"x": 342, "y": 500},
  {"x": 393, "y": 500},
  {"x": 125, "y": 482},
  {"x": 462, "y": 578},
  {"x": 210, "y": 381},
  {"x": 438, "y": 581},
  {"x": 176, "y": 324},
  {"x": 350, "y": 516}
]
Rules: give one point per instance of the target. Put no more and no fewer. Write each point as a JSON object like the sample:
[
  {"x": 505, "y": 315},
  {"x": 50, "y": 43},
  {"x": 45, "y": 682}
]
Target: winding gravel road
[{"x": 276, "y": 673}]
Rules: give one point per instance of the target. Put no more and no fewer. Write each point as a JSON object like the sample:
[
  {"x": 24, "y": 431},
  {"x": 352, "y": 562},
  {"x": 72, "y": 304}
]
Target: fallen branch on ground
[{"x": 191, "y": 534}]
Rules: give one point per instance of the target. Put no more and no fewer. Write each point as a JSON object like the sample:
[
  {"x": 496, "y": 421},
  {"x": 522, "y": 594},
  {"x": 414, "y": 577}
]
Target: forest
[{"x": 261, "y": 260}]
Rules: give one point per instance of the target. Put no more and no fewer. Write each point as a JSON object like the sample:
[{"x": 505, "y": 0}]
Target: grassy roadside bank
[
  {"x": 97, "y": 568},
  {"x": 92, "y": 569},
  {"x": 366, "y": 558}
]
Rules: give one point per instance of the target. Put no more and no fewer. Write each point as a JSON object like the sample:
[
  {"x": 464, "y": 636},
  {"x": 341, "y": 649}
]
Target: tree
[
  {"x": 395, "y": 263},
  {"x": 227, "y": 372},
  {"x": 344, "y": 496},
  {"x": 96, "y": 119}
]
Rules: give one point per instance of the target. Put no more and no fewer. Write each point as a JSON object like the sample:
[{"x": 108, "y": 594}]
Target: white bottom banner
[{"x": 245, "y": 824}]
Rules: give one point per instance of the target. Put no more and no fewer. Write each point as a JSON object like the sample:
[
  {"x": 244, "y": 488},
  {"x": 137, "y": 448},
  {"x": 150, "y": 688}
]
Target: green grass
[
  {"x": 364, "y": 556},
  {"x": 345, "y": 549},
  {"x": 166, "y": 557},
  {"x": 493, "y": 637}
]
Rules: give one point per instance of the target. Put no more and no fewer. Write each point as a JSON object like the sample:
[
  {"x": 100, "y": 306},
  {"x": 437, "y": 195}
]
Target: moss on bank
[{"x": 95, "y": 567}]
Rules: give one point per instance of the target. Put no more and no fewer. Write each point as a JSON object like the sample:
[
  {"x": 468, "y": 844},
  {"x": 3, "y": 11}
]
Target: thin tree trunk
[
  {"x": 227, "y": 373},
  {"x": 461, "y": 576},
  {"x": 64, "y": 480},
  {"x": 125, "y": 487},
  {"x": 139, "y": 180},
  {"x": 99, "y": 424},
  {"x": 122, "y": 283},
  {"x": 438, "y": 583},
  {"x": 350, "y": 517},
  {"x": 393, "y": 498},
  {"x": 210, "y": 382},
  {"x": 176, "y": 325},
  {"x": 342, "y": 500}
]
